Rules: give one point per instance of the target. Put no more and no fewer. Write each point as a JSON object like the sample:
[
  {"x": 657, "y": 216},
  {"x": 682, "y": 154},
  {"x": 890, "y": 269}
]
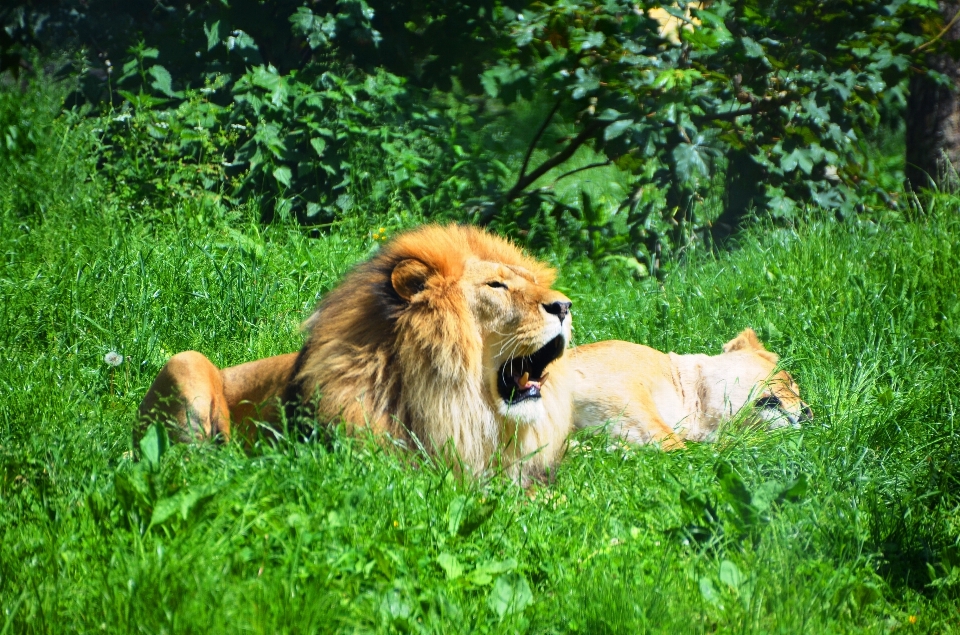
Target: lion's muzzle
[{"x": 521, "y": 378}]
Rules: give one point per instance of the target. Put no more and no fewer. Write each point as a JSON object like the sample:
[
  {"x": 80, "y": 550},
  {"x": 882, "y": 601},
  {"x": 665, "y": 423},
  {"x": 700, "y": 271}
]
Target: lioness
[
  {"x": 440, "y": 340},
  {"x": 643, "y": 394}
]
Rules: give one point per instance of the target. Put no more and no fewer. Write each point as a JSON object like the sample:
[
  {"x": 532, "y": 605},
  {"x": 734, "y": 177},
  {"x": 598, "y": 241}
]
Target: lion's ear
[
  {"x": 746, "y": 341},
  {"x": 409, "y": 277}
]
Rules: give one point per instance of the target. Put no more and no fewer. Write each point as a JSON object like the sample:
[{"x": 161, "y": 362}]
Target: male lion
[
  {"x": 643, "y": 394},
  {"x": 441, "y": 340}
]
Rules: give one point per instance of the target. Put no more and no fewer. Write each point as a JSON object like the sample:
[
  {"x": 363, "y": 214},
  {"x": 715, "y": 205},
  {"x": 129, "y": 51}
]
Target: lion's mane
[{"x": 408, "y": 368}]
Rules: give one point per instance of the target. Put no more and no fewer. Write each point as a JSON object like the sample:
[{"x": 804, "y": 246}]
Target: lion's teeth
[{"x": 523, "y": 379}]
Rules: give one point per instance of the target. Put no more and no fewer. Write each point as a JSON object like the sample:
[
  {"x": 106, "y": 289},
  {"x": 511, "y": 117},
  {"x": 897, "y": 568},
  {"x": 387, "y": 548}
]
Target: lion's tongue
[{"x": 524, "y": 382}]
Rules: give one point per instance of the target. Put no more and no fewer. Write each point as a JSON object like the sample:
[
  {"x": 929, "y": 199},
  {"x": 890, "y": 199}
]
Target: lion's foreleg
[
  {"x": 188, "y": 397},
  {"x": 198, "y": 400},
  {"x": 253, "y": 391}
]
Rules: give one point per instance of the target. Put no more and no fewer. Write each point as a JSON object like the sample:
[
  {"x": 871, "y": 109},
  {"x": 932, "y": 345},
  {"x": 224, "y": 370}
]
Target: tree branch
[
  {"x": 939, "y": 35},
  {"x": 536, "y": 137},
  {"x": 598, "y": 164},
  {"x": 760, "y": 107},
  {"x": 525, "y": 180}
]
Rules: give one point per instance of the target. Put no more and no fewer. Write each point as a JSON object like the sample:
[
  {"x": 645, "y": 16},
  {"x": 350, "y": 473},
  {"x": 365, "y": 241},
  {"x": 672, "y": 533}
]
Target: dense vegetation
[
  {"x": 486, "y": 110},
  {"x": 849, "y": 525}
]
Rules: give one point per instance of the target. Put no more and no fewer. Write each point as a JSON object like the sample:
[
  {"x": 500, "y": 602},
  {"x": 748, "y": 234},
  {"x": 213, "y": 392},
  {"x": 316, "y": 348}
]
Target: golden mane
[{"x": 409, "y": 367}]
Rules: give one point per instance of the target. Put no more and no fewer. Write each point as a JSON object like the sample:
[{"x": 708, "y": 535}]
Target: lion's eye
[
  {"x": 496, "y": 284},
  {"x": 770, "y": 401}
]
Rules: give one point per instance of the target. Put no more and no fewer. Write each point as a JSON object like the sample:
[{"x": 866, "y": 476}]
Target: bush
[{"x": 704, "y": 113}]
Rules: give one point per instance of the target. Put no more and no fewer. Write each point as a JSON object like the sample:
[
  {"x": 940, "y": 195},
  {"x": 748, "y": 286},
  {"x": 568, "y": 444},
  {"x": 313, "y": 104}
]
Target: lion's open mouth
[{"x": 521, "y": 378}]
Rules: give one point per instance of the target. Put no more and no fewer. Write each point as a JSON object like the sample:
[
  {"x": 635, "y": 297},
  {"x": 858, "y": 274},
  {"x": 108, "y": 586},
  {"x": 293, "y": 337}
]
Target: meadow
[{"x": 850, "y": 524}]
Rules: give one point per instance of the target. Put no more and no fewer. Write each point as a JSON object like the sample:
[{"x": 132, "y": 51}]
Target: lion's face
[
  {"x": 748, "y": 373},
  {"x": 779, "y": 404},
  {"x": 523, "y": 325}
]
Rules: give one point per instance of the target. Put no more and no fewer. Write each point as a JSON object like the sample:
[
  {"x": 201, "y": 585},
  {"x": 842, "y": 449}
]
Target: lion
[
  {"x": 641, "y": 394},
  {"x": 440, "y": 341}
]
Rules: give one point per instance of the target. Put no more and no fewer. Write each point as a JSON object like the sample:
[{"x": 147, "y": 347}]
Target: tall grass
[{"x": 304, "y": 538}]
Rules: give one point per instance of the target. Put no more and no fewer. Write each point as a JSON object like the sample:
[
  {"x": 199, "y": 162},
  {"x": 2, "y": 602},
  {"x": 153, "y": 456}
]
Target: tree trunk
[
  {"x": 744, "y": 192},
  {"x": 933, "y": 114}
]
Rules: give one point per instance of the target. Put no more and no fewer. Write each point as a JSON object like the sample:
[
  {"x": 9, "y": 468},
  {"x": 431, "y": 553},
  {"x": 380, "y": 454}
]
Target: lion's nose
[
  {"x": 558, "y": 308},
  {"x": 806, "y": 413}
]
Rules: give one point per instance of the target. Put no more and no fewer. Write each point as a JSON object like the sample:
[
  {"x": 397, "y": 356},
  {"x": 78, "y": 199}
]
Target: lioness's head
[
  {"x": 445, "y": 333},
  {"x": 749, "y": 374}
]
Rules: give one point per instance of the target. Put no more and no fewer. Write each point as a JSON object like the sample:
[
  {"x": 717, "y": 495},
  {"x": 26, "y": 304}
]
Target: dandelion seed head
[{"x": 113, "y": 358}]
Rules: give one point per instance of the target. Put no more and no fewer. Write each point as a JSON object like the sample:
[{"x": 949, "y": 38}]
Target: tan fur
[
  {"x": 409, "y": 346},
  {"x": 642, "y": 394},
  {"x": 201, "y": 401}
]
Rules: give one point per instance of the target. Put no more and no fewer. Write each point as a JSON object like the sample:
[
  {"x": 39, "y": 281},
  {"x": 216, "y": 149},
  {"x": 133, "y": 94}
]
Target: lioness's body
[{"x": 640, "y": 393}]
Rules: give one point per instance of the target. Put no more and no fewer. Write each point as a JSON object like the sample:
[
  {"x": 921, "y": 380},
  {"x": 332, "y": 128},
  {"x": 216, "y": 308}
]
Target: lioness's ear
[
  {"x": 409, "y": 277},
  {"x": 746, "y": 341}
]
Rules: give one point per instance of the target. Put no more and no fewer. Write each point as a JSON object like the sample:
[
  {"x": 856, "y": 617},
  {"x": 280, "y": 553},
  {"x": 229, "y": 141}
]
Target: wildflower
[
  {"x": 396, "y": 523},
  {"x": 912, "y": 619},
  {"x": 113, "y": 358}
]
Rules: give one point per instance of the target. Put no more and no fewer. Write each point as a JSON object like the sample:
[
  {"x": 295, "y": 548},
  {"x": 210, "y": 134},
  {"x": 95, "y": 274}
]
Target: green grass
[{"x": 302, "y": 538}]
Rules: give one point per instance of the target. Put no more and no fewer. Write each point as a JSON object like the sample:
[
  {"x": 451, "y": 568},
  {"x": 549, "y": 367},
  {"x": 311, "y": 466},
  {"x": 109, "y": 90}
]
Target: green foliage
[
  {"x": 308, "y": 143},
  {"x": 704, "y": 113},
  {"x": 848, "y": 525},
  {"x": 786, "y": 91}
]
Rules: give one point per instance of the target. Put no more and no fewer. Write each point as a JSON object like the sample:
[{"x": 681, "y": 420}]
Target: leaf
[
  {"x": 501, "y": 76},
  {"x": 213, "y": 34},
  {"x": 766, "y": 493},
  {"x": 267, "y": 77},
  {"x": 162, "y": 81},
  {"x": 751, "y": 48},
  {"x": 738, "y": 496},
  {"x": 283, "y": 175},
  {"x": 609, "y": 114},
  {"x": 164, "y": 510},
  {"x": 142, "y": 100},
  {"x": 800, "y": 157},
  {"x": 730, "y": 575},
  {"x": 616, "y": 129},
  {"x": 593, "y": 40},
  {"x": 450, "y": 565},
  {"x": 193, "y": 500},
  {"x": 732, "y": 484},
  {"x": 779, "y": 203},
  {"x": 133, "y": 489},
  {"x": 691, "y": 161},
  {"x": 456, "y": 511},
  {"x": 154, "y": 443},
  {"x": 483, "y": 574},
  {"x": 630, "y": 263},
  {"x": 795, "y": 490},
  {"x": 510, "y": 594},
  {"x": 465, "y": 516},
  {"x": 708, "y": 591},
  {"x": 319, "y": 145},
  {"x": 587, "y": 82}
]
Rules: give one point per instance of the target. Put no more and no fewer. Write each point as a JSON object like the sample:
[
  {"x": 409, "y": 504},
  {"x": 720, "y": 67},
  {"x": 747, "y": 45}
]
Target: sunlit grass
[{"x": 303, "y": 538}]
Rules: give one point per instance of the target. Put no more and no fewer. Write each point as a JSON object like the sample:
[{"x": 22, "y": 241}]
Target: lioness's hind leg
[{"x": 188, "y": 396}]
